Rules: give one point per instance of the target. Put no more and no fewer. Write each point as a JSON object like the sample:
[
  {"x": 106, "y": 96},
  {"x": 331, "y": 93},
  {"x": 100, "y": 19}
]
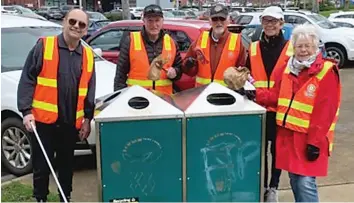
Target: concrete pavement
[{"x": 338, "y": 186}]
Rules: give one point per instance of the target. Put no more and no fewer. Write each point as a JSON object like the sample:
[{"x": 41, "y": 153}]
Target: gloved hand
[
  {"x": 250, "y": 94},
  {"x": 312, "y": 152},
  {"x": 190, "y": 63}
]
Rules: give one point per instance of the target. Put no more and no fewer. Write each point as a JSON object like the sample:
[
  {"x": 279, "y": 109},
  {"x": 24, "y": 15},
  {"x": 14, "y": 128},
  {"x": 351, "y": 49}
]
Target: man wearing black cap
[
  {"x": 140, "y": 48},
  {"x": 215, "y": 50}
]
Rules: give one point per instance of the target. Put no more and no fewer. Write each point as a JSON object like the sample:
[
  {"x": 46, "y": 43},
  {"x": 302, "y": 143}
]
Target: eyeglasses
[
  {"x": 218, "y": 19},
  {"x": 73, "y": 22},
  {"x": 271, "y": 21}
]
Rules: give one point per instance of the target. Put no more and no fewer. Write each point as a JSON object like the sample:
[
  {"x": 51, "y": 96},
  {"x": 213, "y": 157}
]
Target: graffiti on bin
[
  {"x": 142, "y": 152},
  {"x": 225, "y": 161},
  {"x": 143, "y": 183}
]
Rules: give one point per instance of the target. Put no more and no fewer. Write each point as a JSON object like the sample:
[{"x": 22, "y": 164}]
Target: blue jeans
[{"x": 304, "y": 188}]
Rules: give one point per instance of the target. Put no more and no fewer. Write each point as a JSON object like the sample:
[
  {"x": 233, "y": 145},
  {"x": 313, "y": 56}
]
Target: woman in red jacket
[{"x": 307, "y": 97}]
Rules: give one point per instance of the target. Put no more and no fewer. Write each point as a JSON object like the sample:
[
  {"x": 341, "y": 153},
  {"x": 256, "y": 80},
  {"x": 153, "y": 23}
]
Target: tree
[
  {"x": 125, "y": 8},
  {"x": 346, "y": 4}
]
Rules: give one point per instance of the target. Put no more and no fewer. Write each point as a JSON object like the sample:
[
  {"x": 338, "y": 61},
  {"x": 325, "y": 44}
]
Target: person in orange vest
[
  {"x": 56, "y": 92},
  {"x": 307, "y": 97},
  {"x": 140, "y": 48},
  {"x": 215, "y": 50},
  {"x": 266, "y": 55}
]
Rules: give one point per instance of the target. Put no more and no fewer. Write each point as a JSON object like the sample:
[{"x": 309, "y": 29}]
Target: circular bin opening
[
  {"x": 138, "y": 103},
  {"x": 221, "y": 99}
]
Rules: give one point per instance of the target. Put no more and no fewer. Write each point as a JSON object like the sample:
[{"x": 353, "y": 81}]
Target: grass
[
  {"x": 327, "y": 13},
  {"x": 18, "y": 192}
]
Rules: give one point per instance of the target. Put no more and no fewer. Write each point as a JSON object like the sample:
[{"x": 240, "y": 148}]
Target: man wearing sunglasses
[
  {"x": 215, "y": 50},
  {"x": 267, "y": 55},
  {"x": 56, "y": 93},
  {"x": 140, "y": 48}
]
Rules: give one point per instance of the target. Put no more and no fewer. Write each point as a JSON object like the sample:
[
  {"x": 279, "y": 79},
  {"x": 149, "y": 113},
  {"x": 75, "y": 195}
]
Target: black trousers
[
  {"x": 60, "y": 140},
  {"x": 270, "y": 139}
]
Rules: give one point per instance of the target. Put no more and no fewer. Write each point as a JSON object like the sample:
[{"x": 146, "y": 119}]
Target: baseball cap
[
  {"x": 153, "y": 10},
  {"x": 273, "y": 11},
  {"x": 219, "y": 10}
]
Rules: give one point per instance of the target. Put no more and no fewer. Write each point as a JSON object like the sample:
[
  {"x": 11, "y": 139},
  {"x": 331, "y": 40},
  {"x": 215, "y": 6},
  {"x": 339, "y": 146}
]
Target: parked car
[
  {"x": 95, "y": 25},
  {"x": 254, "y": 32},
  {"x": 343, "y": 22},
  {"x": 15, "y": 145},
  {"x": 339, "y": 41},
  {"x": 66, "y": 8},
  {"x": 22, "y": 11},
  {"x": 184, "y": 32},
  {"x": 50, "y": 12},
  {"x": 341, "y": 14},
  {"x": 94, "y": 16}
]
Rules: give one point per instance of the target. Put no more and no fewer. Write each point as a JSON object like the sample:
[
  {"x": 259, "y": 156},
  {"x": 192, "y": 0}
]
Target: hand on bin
[{"x": 250, "y": 94}]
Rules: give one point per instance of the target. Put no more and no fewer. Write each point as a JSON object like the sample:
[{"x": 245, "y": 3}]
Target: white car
[
  {"x": 341, "y": 14},
  {"x": 343, "y": 22},
  {"x": 339, "y": 41},
  {"x": 18, "y": 36},
  {"x": 24, "y": 12}
]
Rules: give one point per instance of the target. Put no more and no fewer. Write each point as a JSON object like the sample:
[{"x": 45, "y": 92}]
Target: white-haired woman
[{"x": 307, "y": 97}]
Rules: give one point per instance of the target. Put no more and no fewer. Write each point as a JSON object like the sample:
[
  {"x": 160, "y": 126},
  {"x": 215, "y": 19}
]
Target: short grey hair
[{"x": 305, "y": 31}]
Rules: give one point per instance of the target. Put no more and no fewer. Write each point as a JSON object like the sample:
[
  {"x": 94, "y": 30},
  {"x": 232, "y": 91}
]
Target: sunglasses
[
  {"x": 218, "y": 19},
  {"x": 271, "y": 21},
  {"x": 73, "y": 22},
  {"x": 152, "y": 10}
]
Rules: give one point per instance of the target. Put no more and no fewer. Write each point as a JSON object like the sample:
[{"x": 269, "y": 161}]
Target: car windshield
[
  {"x": 13, "y": 55},
  {"x": 97, "y": 16},
  {"x": 168, "y": 14},
  {"x": 322, "y": 21}
]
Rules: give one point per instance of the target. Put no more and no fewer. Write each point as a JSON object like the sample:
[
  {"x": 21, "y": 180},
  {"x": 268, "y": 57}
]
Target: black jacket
[
  {"x": 69, "y": 72},
  {"x": 153, "y": 49},
  {"x": 270, "y": 51}
]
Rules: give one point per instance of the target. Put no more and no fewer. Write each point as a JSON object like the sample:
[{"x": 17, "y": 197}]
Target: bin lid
[
  {"x": 137, "y": 103},
  {"x": 214, "y": 99}
]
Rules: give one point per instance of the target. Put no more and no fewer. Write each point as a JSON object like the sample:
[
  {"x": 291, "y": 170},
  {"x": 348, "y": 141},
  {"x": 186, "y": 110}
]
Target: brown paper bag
[
  {"x": 156, "y": 66},
  {"x": 235, "y": 78}
]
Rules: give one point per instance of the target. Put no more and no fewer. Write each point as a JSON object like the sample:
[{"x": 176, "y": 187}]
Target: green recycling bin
[
  {"x": 139, "y": 143},
  {"x": 224, "y": 145}
]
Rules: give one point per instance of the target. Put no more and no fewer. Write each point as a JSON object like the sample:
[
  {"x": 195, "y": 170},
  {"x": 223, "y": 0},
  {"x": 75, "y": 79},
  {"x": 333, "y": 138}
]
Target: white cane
[{"x": 48, "y": 161}]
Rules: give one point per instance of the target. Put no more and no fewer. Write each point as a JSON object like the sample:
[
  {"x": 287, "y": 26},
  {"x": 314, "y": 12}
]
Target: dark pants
[
  {"x": 58, "y": 139},
  {"x": 270, "y": 138}
]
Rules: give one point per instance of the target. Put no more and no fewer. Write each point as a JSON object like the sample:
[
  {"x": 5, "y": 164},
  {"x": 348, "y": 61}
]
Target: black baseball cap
[
  {"x": 152, "y": 10},
  {"x": 219, "y": 10}
]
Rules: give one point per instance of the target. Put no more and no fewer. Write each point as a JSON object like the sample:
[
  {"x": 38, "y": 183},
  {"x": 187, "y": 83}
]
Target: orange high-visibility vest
[
  {"x": 45, "y": 99},
  {"x": 228, "y": 58},
  {"x": 139, "y": 64},
  {"x": 258, "y": 70},
  {"x": 294, "y": 110}
]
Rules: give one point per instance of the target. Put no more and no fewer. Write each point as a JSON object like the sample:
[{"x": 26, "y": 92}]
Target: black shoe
[{"x": 41, "y": 199}]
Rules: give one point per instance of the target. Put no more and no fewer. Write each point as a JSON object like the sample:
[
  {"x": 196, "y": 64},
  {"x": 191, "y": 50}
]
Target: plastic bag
[
  {"x": 235, "y": 78},
  {"x": 156, "y": 66}
]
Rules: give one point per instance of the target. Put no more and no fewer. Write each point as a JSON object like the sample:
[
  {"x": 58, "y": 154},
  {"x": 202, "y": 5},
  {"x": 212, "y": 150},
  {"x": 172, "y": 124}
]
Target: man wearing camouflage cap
[{"x": 215, "y": 50}]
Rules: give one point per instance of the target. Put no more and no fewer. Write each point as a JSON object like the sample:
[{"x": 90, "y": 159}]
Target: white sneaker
[{"x": 271, "y": 195}]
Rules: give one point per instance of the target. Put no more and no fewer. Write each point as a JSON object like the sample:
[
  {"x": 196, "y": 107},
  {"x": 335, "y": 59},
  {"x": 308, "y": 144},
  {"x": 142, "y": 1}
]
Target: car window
[
  {"x": 244, "y": 19},
  {"x": 292, "y": 19},
  {"x": 343, "y": 24},
  {"x": 108, "y": 41},
  {"x": 13, "y": 55},
  {"x": 345, "y": 16},
  {"x": 322, "y": 21},
  {"x": 181, "y": 38}
]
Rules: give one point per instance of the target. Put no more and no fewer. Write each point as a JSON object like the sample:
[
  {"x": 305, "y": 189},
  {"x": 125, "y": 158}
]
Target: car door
[{"x": 109, "y": 42}]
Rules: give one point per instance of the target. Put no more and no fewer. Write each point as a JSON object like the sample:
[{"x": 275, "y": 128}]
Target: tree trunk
[
  {"x": 315, "y": 7},
  {"x": 125, "y": 8},
  {"x": 346, "y": 4}
]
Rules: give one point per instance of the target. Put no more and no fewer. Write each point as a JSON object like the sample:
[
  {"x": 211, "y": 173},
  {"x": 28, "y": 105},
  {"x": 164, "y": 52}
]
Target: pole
[
  {"x": 48, "y": 162},
  {"x": 285, "y": 1},
  {"x": 38, "y": 3},
  {"x": 158, "y": 2},
  {"x": 177, "y": 4},
  {"x": 80, "y": 4}
]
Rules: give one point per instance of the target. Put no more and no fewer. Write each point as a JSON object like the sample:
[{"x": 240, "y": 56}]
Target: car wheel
[
  {"x": 337, "y": 54},
  {"x": 15, "y": 147}
]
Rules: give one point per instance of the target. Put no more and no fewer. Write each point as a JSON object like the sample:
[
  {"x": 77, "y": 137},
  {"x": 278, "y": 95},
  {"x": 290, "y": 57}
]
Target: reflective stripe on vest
[
  {"x": 44, "y": 105},
  {"x": 139, "y": 64},
  {"x": 228, "y": 58},
  {"x": 294, "y": 111},
  {"x": 258, "y": 71}
]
